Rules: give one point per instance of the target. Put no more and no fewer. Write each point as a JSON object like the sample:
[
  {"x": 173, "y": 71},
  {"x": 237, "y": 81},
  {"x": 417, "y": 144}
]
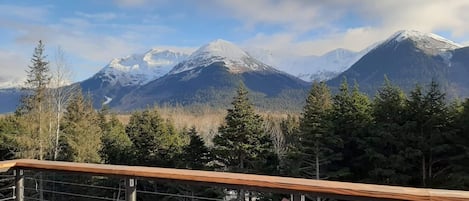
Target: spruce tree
[
  {"x": 289, "y": 164},
  {"x": 116, "y": 143},
  {"x": 155, "y": 141},
  {"x": 241, "y": 142},
  {"x": 81, "y": 134},
  {"x": 37, "y": 82},
  {"x": 143, "y": 129},
  {"x": 385, "y": 144},
  {"x": 196, "y": 155},
  {"x": 351, "y": 117},
  {"x": 319, "y": 146},
  {"x": 242, "y": 145},
  {"x": 427, "y": 135},
  {"x": 458, "y": 177},
  {"x": 35, "y": 142}
]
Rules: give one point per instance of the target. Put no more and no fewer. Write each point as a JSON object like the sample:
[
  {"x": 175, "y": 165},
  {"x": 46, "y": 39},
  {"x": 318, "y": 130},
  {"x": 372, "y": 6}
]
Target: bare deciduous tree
[{"x": 61, "y": 93}]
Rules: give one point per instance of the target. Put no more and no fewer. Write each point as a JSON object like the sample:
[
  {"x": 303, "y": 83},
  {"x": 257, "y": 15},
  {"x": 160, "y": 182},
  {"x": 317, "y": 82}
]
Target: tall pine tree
[
  {"x": 428, "y": 134},
  {"x": 385, "y": 144},
  {"x": 351, "y": 117},
  {"x": 196, "y": 155},
  {"x": 116, "y": 144},
  {"x": 242, "y": 143},
  {"x": 154, "y": 139},
  {"x": 319, "y": 146},
  {"x": 35, "y": 142},
  {"x": 458, "y": 177},
  {"x": 81, "y": 140}
]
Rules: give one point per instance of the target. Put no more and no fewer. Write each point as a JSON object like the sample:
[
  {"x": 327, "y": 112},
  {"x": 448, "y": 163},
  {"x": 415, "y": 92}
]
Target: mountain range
[{"x": 210, "y": 74}]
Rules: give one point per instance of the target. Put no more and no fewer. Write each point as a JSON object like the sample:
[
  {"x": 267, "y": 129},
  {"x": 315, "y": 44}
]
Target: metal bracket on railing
[
  {"x": 131, "y": 189},
  {"x": 19, "y": 185}
]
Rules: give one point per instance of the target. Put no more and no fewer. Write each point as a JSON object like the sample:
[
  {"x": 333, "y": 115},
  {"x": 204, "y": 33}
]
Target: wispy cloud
[
  {"x": 138, "y": 3},
  {"x": 295, "y": 15},
  {"x": 12, "y": 64},
  {"x": 330, "y": 19},
  {"x": 82, "y": 36},
  {"x": 98, "y": 16},
  {"x": 37, "y": 13}
]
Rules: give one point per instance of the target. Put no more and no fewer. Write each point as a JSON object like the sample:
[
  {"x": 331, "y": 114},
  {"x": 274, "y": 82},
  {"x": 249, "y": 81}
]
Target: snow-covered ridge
[
  {"x": 236, "y": 59},
  {"x": 418, "y": 36},
  {"x": 7, "y": 83},
  {"x": 429, "y": 43},
  {"x": 139, "y": 69}
]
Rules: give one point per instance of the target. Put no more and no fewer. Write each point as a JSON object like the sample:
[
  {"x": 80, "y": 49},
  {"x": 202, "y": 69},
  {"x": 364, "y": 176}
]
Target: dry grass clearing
[{"x": 206, "y": 120}]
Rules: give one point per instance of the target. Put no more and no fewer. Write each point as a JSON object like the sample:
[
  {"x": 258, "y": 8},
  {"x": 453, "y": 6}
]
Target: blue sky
[{"x": 91, "y": 33}]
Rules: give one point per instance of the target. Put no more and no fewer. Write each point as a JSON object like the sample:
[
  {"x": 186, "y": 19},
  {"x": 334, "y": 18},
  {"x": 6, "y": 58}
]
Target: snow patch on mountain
[
  {"x": 236, "y": 59},
  {"x": 139, "y": 69},
  {"x": 6, "y": 83},
  {"x": 107, "y": 100}
]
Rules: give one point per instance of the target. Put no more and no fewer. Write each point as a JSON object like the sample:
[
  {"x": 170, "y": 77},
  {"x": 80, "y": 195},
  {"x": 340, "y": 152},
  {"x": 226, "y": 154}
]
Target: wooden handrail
[{"x": 249, "y": 181}]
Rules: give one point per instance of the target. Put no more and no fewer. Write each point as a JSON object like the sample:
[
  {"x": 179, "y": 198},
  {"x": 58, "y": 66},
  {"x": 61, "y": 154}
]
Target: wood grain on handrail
[{"x": 273, "y": 183}]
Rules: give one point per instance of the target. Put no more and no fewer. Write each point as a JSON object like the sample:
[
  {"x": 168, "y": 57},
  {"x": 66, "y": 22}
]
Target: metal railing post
[
  {"x": 297, "y": 197},
  {"x": 19, "y": 185},
  {"x": 130, "y": 189}
]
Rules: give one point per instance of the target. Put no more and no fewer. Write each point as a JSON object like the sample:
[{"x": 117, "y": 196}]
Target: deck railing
[{"x": 259, "y": 183}]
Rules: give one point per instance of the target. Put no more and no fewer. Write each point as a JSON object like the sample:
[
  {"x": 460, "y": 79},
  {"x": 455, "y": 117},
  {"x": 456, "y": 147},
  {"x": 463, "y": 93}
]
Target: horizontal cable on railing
[
  {"x": 7, "y": 188},
  {"x": 74, "y": 194},
  {"x": 75, "y": 184},
  {"x": 7, "y": 179},
  {"x": 31, "y": 198},
  {"x": 177, "y": 195}
]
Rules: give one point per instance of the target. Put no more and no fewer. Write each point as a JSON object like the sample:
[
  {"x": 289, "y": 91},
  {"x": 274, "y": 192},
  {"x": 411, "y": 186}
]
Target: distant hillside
[
  {"x": 408, "y": 58},
  {"x": 9, "y": 99}
]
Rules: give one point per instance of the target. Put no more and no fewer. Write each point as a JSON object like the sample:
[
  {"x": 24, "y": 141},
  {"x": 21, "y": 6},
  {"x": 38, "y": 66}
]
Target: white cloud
[
  {"x": 98, "y": 16},
  {"x": 12, "y": 65},
  {"x": 91, "y": 49},
  {"x": 139, "y": 3},
  {"x": 295, "y": 15},
  {"x": 31, "y": 13},
  {"x": 328, "y": 19},
  {"x": 131, "y": 2}
]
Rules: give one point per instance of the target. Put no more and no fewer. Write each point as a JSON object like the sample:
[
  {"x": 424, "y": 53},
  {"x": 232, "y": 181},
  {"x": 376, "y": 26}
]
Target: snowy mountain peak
[
  {"x": 220, "y": 48},
  {"x": 139, "y": 69},
  {"x": 11, "y": 82},
  {"x": 418, "y": 36},
  {"x": 428, "y": 42},
  {"x": 236, "y": 59}
]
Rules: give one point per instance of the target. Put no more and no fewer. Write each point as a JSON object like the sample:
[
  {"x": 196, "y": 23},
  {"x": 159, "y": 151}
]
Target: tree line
[{"x": 420, "y": 139}]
